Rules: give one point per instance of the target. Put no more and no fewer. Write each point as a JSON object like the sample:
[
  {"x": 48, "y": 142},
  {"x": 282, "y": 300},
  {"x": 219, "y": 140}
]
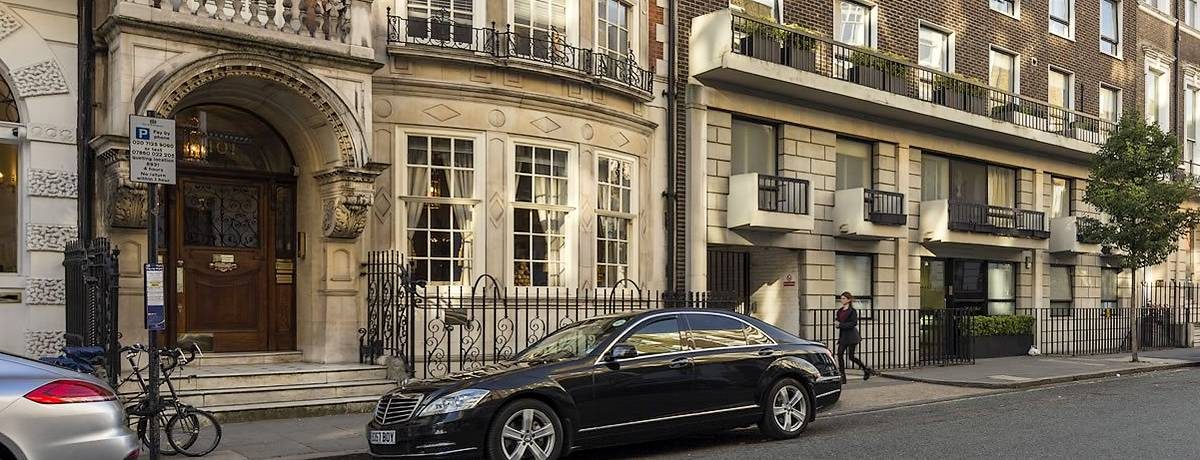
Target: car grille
[{"x": 396, "y": 408}]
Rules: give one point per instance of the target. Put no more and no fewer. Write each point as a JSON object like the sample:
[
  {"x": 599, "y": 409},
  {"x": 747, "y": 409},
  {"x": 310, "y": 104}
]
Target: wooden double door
[{"x": 234, "y": 251}]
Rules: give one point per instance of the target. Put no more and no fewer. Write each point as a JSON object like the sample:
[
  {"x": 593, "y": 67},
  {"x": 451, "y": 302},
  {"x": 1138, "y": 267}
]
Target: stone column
[{"x": 697, "y": 190}]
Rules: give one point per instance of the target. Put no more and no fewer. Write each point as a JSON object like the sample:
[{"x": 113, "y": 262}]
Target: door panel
[{"x": 726, "y": 376}]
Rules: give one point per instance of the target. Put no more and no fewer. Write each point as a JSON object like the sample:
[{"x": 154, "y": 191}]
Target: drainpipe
[
  {"x": 83, "y": 129},
  {"x": 672, "y": 192},
  {"x": 1177, "y": 74}
]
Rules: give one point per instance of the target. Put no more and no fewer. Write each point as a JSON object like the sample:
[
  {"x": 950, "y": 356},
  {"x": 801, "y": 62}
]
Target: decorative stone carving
[
  {"x": 348, "y": 196},
  {"x": 8, "y": 24},
  {"x": 51, "y": 183},
  {"x": 40, "y": 79},
  {"x": 545, "y": 124},
  {"x": 587, "y": 131},
  {"x": 41, "y": 237},
  {"x": 45, "y": 291},
  {"x": 441, "y": 112},
  {"x": 51, "y": 133},
  {"x": 44, "y": 343},
  {"x": 383, "y": 205},
  {"x": 619, "y": 139},
  {"x": 124, "y": 200},
  {"x": 496, "y": 118}
]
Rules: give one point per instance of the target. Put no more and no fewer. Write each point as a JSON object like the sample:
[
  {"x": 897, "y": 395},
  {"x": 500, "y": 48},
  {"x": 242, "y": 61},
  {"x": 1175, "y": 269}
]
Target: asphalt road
[{"x": 1154, "y": 415}]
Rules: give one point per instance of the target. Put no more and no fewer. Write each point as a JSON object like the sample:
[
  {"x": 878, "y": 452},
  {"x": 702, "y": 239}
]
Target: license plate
[{"x": 382, "y": 437}]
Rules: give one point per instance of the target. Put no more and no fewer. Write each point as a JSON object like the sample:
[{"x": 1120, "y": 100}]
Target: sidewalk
[
  {"x": 1029, "y": 371},
  {"x": 330, "y": 436}
]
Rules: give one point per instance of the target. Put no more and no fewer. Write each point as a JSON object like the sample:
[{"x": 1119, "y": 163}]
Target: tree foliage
[{"x": 1136, "y": 182}]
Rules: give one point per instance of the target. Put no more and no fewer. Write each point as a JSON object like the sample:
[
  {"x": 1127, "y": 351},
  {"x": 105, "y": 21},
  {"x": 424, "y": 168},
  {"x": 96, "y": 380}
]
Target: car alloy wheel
[
  {"x": 789, "y": 408},
  {"x": 528, "y": 433}
]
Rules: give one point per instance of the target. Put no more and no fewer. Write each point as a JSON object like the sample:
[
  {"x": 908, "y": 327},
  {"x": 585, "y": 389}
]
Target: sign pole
[{"x": 152, "y": 162}]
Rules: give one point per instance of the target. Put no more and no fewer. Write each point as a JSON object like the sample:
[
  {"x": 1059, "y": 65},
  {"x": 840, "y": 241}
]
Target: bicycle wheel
[
  {"x": 194, "y": 432},
  {"x": 165, "y": 447}
]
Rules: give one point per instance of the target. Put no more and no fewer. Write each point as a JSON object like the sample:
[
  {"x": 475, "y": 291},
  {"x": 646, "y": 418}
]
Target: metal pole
[{"x": 152, "y": 258}]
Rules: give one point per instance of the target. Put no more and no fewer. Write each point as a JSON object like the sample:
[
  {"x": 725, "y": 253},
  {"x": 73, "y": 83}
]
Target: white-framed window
[
  {"x": 1009, "y": 7},
  {"x": 1060, "y": 93},
  {"x": 439, "y": 191},
  {"x": 1158, "y": 97},
  {"x": 1163, "y": 6},
  {"x": 1110, "y": 103},
  {"x": 1060, "y": 197},
  {"x": 855, "y": 23},
  {"x": 1004, "y": 70},
  {"x": 1061, "y": 290},
  {"x": 1062, "y": 18},
  {"x": 935, "y": 49},
  {"x": 1191, "y": 128},
  {"x": 612, "y": 28},
  {"x": 1110, "y": 27},
  {"x": 441, "y": 19},
  {"x": 616, "y": 208},
  {"x": 543, "y": 28},
  {"x": 765, "y": 9},
  {"x": 541, "y": 205},
  {"x": 855, "y": 273},
  {"x": 1191, "y": 13},
  {"x": 1001, "y": 288}
]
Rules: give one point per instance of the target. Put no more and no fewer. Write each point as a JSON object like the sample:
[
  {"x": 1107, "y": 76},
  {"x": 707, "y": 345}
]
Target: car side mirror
[{"x": 622, "y": 351}]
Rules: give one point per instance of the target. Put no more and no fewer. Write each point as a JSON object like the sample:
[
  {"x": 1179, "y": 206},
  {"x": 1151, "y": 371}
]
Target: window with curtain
[
  {"x": 1008, "y": 7},
  {"x": 612, "y": 28},
  {"x": 539, "y": 216},
  {"x": 1157, "y": 99},
  {"x": 969, "y": 182},
  {"x": 1002, "y": 72},
  {"x": 1060, "y": 197},
  {"x": 853, "y": 164},
  {"x": 1061, "y": 290},
  {"x": 441, "y": 19},
  {"x": 933, "y": 49},
  {"x": 441, "y": 175},
  {"x": 1109, "y": 293},
  {"x": 541, "y": 28},
  {"x": 855, "y": 26},
  {"x": 1061, "y": 17},
  {"x": 1059, "y": 89},
  {"x": 935, "y": 178},
  {"x": 1002, "y": 186},
  {"x": 853, "y": 273},
  {"x": 1110, "y": 103},
  {"x": 1001, "y": 288},
  {"x": 10, "y": 216},
  {"x": 754, "y": 148},
  {"x": 1110, "y": 27},
  {"x": 614, "y": 216}
]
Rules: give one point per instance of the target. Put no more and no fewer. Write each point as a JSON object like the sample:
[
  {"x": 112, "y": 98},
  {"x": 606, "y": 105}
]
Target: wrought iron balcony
[
  {"x": 863, "y": 213},
  {"x": 997, "y": 220},
  {"x": 784, "y": 203},
  {"x": 541, "y": 48},
  {"x": 782, "y": 194},
  {"x": 884, "y": 208}
]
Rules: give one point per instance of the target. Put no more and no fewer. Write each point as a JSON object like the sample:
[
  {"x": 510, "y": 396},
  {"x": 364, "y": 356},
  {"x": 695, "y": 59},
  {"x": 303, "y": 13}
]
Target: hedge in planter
[
  {"x": 966, "y": 94},
  {"x": 879, "y": 70},
  {"x": 996, "y": 336}
]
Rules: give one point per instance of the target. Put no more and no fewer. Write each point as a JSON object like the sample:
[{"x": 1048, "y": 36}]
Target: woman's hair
[{"x": 848, "y": 295}]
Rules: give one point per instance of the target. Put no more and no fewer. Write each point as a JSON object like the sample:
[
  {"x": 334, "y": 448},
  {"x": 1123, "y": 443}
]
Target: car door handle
[
  {"x": 766, "y": 352},
  {"x": 679, "y": 363}
]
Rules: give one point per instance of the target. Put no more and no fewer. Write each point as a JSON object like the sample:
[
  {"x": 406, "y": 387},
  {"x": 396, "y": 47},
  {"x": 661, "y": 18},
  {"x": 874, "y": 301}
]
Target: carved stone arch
[{"x": 165, "y": 93}]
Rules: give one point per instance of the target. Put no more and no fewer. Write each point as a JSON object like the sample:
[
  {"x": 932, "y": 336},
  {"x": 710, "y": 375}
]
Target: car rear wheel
[
  {"x": 525, "y": 429},
  {"x": 786, "y": 411}
]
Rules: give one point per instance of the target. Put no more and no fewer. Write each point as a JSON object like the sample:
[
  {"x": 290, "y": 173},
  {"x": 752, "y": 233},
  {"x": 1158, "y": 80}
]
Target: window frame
[
  {"x": 402, "y": 186},
  {"x": 569, "y": 258},
  {"x": 631, "y": 22},
  {"x": 478, "y": 11},
  {"x": 1069, "y": 22},
  {"x": 1069, "y": 184},
  {"x": 869, "y": 180},
  {"x": 1191, "y": 119},
  {"x": 1016, "y": 272},
  {"x": 1163, "y": 85},
  {"x": 632, "y": 242},
  {"x": 865, "y": 314},
  {"x": 1118, "y": 94},
  {"x": 776, "y": 128},
  {"x": 1118, "y": 44},
  {"x": 571, "y": 19},
  {"x": 1015, "y": 6},
  {"x": 1115, "y": 301},
  {"x": 1062, "y": 310},
  {"x": 683, "y": 338},
  {"x": 20, "y": 205},
  {"x": 872, "y": 31},
  {"x": 950, "y": 39},
  {"x": 1016, "y": 67}
]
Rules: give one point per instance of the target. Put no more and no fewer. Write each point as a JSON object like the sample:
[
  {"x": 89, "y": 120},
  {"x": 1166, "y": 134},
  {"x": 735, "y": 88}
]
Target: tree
[{"x": 1136, "y": 182}]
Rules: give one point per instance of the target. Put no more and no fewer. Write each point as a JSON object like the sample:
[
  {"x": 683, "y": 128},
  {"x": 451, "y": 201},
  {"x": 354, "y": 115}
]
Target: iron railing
[
  {"x": 797, "y": 49},
  {"x": 782, "y": 194},
  {"x": 91, "y": 282},
  {"x": 884, "y": 208},
  {"x": 997, "y": 220},
  {"x": 1084, "y": 331},
  {"x": 899, "y": 338},
  {"x": 440, "y": 330},
  {"x": 544, "y": 48}
]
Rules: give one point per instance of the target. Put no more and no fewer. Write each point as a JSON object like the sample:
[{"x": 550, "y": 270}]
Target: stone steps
[{"x": 227, "y": 359}]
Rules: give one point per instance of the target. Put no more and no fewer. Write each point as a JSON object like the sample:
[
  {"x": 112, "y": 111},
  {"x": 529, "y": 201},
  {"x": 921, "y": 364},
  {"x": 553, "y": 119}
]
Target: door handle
[
  {"x": 679, "y": 363},
  {"x": 766, "y": 352}
]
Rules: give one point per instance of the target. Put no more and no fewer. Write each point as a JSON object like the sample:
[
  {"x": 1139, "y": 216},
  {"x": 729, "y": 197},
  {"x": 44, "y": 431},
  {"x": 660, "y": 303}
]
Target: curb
[
  {"x": 834, "y": 413},
  {"x": 1043, "y": 381}
]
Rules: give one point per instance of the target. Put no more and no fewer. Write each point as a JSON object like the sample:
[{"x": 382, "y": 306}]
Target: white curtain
[
  {"x": 1001, "y": 289},
  {"x": 1002, "y": 189},
  {"x": 935, "y": 178}
]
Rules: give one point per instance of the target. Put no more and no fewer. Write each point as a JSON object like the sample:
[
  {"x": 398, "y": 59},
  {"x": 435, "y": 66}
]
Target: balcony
[
  {"x": 735, "y": 51},
  {"x": 1074, "y": 235},
  {"x": 950, "y": 222},
  {"x": 332, "y": 27},
  {"x": 869, "y": 214},
  {"x": 550, "y": 53},
  {"x": 784, "y": 204}
]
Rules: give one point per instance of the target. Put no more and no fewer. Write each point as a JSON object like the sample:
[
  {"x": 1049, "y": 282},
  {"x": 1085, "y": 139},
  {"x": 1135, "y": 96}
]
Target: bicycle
[{"x": 188, "y": 430}]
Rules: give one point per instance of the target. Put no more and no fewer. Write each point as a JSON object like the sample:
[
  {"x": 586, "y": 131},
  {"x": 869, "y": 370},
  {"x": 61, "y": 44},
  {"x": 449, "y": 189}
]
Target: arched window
[
  {"x": 223, "y": 137},
  {"x": 8, "y": 103}
]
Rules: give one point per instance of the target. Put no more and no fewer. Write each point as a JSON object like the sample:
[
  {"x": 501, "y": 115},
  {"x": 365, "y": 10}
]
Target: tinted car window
[
  {"x": 714, "y": 331},
  {"x": 756, "y": 336},
  {"x": 657, "y": 336}
]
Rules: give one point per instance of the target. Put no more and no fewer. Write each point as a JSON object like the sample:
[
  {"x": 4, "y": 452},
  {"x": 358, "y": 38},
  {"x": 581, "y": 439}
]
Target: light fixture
[{"x": 1028, "y": 263}]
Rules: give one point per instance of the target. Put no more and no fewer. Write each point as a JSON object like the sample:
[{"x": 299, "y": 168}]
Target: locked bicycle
[{"x": 187, "y": 430}]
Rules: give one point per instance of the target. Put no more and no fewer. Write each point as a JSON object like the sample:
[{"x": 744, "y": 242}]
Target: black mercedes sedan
[{"x": 614, "y": 379}]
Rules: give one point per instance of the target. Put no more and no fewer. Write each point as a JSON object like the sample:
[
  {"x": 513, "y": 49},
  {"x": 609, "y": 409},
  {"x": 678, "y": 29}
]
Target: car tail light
[{"x": 69, "y": 391}]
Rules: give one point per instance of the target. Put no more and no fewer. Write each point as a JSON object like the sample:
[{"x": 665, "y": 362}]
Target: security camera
[{"x": 10, "y": 134}]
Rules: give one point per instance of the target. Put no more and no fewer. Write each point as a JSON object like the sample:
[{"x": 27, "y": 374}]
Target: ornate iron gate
[{"x": 91, "y": 292}]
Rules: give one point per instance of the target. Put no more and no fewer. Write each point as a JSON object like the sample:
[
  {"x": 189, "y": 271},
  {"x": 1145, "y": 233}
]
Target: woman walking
[{"x": 848, "y": 336}]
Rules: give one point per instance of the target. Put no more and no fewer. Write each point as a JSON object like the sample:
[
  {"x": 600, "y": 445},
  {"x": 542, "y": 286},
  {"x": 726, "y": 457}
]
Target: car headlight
[{"x": 458, "y": 401}]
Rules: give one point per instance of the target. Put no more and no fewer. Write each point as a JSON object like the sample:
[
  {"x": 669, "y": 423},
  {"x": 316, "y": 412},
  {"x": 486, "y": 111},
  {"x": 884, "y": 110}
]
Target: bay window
[
  {"x": 539, "y": 216},
  {"x": 541, "y": 29},
  {"x": 855, "y": 274},
  {"x": 440, "y": 219},
  {"x": 441, "y": 20},
  {"x": 614, "y": 216},
  {"x": 612, "y": 28}
]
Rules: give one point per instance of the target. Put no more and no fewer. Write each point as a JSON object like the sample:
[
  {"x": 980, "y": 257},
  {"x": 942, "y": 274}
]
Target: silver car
[{"x": 51, "y": 413}]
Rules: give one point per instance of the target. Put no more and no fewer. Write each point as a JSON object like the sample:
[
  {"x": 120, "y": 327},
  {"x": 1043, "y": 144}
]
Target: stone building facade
[{"x": 38, "y": 178}]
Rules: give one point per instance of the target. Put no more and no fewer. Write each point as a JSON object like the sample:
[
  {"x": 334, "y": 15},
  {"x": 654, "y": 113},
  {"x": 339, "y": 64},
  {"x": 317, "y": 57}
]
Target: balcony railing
[
  {"x": 799, "y": 50},
  {"x": 997, "y": 220},
  {"x": 884, "y": 208},
  {"x": 1088, "y": 230},
  {"x": 782, "y": 194},
  {"x": 320, "y": 19},
  {"x": 544, "y": 48}
]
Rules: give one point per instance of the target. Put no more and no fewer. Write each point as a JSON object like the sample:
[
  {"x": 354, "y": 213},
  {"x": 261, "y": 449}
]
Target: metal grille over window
[
  {"x": 8, "y": 103},
  {"x": 614, "y": 209},
  {"x": 441, "y": 179},
  {"x": 539, "y": 216}
]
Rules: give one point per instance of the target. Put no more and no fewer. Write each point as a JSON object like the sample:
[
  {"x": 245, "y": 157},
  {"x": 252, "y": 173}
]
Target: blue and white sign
[
  {"x": 156, "y": 311},
  {"x": 151, "y": 150}
]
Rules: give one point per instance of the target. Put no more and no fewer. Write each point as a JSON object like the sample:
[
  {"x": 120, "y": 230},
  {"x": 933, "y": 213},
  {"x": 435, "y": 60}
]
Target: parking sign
[{"x": 152, "y": 150}]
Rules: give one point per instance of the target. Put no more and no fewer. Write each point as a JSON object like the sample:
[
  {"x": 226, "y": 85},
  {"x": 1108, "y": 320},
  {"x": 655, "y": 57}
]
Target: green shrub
[
  {"x": 890, "y": 63},
  {"x": 964, "y": 85},
  {"x": 1001, "y": 325}
]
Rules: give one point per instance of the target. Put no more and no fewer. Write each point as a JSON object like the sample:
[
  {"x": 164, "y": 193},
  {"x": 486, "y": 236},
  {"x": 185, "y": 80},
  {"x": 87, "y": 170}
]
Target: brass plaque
[
  {"x": 224, "y": 258},
  {"x": 283, "y": 279},
  {"x": 285, "y": 266},
  {"x": 223, "y": 263}
]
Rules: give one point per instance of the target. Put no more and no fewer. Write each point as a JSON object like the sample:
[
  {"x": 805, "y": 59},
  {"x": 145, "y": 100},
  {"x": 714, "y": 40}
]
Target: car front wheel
[
  {"x": 525, "y": 429},
  {"x": 787, "y": 410}
]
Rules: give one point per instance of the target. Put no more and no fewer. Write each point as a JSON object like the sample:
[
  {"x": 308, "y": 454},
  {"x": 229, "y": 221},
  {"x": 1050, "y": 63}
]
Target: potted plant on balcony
[
  {"x": 1088, "y": 230},
  {"x": 800, "y": 48},
  {"x": 1084, "y": 129},
  {"x": 879, "y": 69},
  {"x": 1004, "y": 335},
  {"x": 961, "y": 93},
  {"x": 1026, "y": 114},
  {"x": 759, "y": 38}
]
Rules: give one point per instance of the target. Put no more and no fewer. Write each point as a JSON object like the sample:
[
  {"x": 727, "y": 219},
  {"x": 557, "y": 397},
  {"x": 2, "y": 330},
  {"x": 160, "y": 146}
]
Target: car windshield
[{"x": 573, "y": 341}]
